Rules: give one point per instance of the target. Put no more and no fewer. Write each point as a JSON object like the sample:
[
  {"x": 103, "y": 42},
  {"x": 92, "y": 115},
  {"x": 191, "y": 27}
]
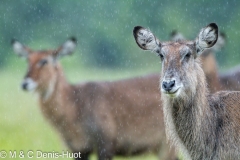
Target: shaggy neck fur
[
  {"x": 187, "y": 120},
  {"x": 55, "y": 86},
  {"x": 54, "y": 102}
]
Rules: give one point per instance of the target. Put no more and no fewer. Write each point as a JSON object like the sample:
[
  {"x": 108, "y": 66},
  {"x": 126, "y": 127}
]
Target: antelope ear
[
  {"x": 66, "y": 48},
  {"x": 20, "y": 49},
  {"x": 145, "y": 39},
  {"x": 207, "y": 37}
]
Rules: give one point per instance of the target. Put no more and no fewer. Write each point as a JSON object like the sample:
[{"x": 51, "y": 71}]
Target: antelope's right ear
[
  {"x": 67, "y": 48},
  {"x": 20, "y": 49},
  {"x": 146, "y": 40},
  {"x": 207, "y": 37}
]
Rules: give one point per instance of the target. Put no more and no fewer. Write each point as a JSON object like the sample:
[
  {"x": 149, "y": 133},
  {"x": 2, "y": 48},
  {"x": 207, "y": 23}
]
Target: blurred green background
[{"x": 106, "y": 50}]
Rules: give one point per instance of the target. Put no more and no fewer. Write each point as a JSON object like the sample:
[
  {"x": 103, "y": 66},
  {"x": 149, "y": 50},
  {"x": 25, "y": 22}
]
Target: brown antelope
[
  {"x": 122, "y": 117},
  {"x": 209, "y": 62},
  {"x": 203, "y": 126}
]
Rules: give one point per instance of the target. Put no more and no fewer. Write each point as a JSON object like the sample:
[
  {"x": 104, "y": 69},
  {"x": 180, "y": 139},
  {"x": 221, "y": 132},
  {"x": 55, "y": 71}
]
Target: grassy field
[{"x": 22, "y": 126}]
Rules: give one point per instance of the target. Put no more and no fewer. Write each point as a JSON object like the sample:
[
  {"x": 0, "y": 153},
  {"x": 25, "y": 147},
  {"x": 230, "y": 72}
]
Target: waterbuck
[
  {"x": 203, "y": 126},
  {"x": 122, "y": 117}
]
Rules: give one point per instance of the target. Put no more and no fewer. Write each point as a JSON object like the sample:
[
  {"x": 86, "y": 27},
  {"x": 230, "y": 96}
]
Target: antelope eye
[
  {"x": 188, "y": 55},
  {"x": 42, "y": 62}
]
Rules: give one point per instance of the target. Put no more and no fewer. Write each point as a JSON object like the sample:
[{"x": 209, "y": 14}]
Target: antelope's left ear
[
  {"x": 66, "y": 48},
  {"x": 207, "y": 37},
  {"x": 145, "y": 39},
  {"x": 20, "y": 49}
]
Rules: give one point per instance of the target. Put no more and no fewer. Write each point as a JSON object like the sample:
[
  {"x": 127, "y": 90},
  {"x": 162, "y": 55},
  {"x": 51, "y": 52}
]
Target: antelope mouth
[{"x": 172, "y": 93}]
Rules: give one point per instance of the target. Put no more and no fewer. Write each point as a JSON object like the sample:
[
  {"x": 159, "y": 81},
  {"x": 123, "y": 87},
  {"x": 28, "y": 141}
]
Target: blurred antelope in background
[
  {"x": 122, "y": 117},
  {"x": 203, "y": 126}
]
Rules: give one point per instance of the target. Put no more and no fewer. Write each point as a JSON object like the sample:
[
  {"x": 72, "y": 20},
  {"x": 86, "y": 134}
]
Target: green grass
[{"x": 22, "y": 126}]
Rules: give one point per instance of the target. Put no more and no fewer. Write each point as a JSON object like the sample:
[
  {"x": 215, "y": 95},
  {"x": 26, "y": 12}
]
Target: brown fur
[
  {"x": 203, "y": 126},
  {"x": 122, "y": 117}
]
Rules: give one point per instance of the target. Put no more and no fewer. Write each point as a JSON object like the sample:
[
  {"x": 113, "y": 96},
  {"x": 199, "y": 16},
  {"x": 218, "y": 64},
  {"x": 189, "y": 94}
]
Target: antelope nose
[
  {"x": 24, "y": 85},
  {"x": 167, "y": 86}
]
